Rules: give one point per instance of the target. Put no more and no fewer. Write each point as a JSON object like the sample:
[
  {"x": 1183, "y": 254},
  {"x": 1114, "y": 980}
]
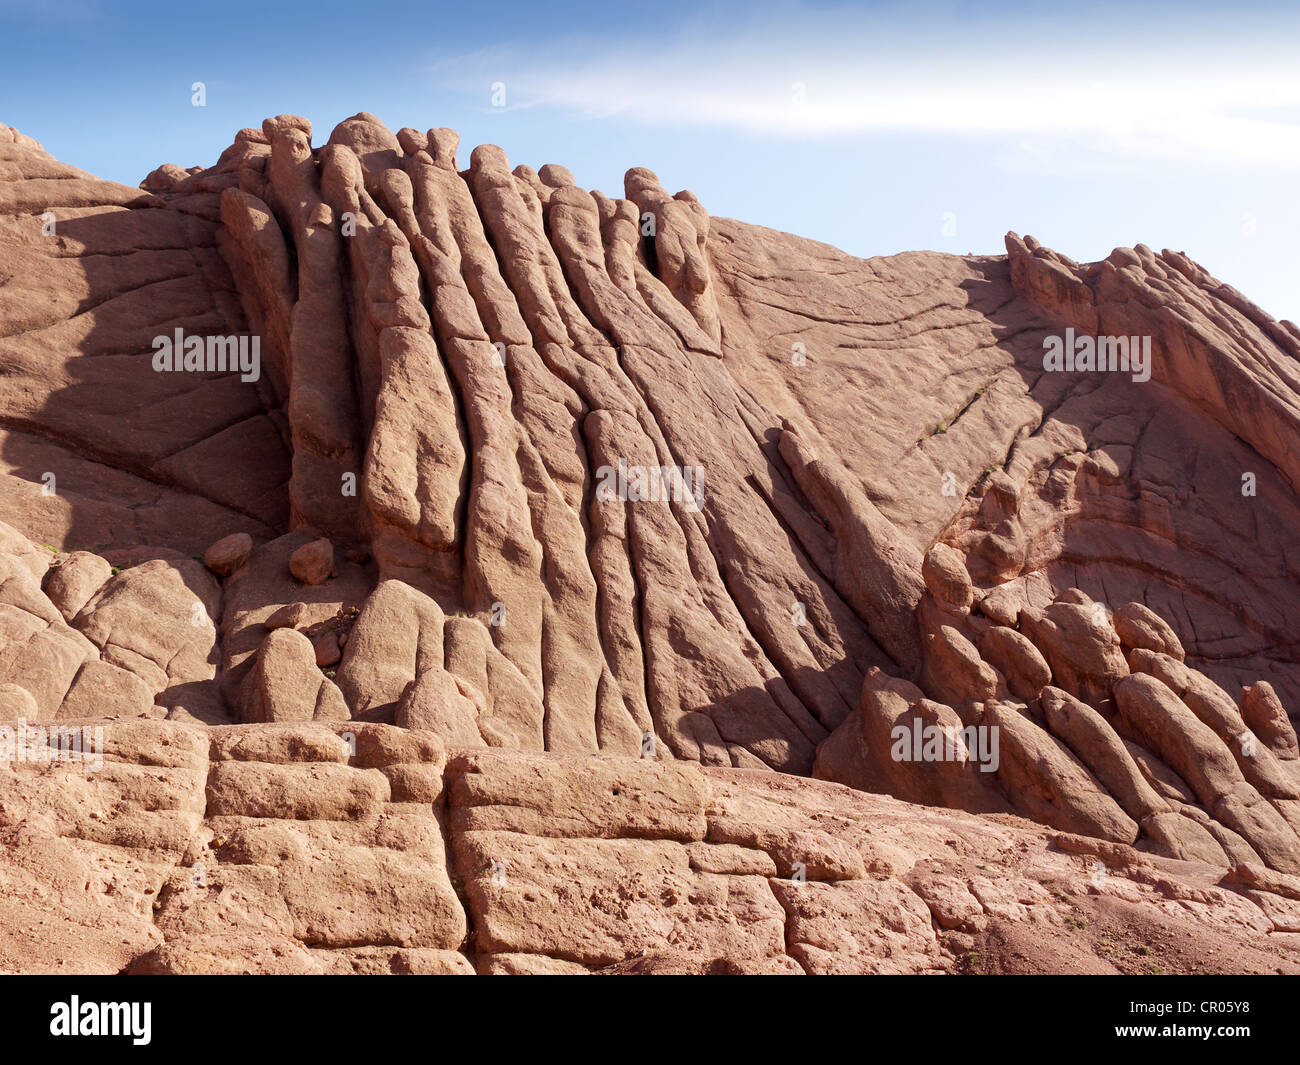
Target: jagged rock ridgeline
[{"x": 530, "y": 468}]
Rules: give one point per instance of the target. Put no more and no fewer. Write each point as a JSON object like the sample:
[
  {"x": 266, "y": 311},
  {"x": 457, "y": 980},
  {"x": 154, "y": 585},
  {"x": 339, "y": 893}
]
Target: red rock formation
[{"x": 629, "y": 507}]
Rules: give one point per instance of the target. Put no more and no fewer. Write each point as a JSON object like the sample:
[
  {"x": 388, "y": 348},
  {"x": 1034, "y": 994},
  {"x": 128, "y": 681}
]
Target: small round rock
[
  {"x": 228, "y": 554},
  {"x": 313, "y": 563}
]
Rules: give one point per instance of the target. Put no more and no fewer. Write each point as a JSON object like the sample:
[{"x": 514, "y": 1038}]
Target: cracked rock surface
[{"x": 553, "y": 595}]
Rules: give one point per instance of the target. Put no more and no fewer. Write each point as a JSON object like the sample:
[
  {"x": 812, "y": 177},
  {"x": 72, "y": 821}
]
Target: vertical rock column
[
  {"x": 681, "y": 230},
  {"x": 415, "y": 461},
  {"x": 322, "y": 406}
]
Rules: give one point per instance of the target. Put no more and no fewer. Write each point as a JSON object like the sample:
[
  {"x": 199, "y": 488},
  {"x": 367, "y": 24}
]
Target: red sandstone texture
[{"x": 554, "y": 595}]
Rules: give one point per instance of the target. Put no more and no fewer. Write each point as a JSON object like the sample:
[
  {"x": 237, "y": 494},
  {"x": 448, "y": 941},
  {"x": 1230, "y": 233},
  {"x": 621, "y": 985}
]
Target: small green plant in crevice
[
  {"x": 969, "y": 962},
  {"x": 984, "y": 475}
]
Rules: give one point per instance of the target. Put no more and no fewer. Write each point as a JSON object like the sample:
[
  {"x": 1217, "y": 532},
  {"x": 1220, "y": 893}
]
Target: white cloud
[{"x": 858, "y": 76}]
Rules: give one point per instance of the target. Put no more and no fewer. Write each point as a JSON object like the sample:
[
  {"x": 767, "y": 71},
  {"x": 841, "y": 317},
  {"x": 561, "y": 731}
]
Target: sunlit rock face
[{"x": 472, "y": 534}]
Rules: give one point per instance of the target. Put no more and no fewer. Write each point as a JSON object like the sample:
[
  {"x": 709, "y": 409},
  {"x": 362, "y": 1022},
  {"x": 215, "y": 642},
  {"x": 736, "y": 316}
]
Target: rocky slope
[{"x": 497, "y": 621}]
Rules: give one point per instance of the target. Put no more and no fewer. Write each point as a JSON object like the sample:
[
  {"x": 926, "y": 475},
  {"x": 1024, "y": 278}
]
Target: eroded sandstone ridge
[{"x": 497, "y": 621}]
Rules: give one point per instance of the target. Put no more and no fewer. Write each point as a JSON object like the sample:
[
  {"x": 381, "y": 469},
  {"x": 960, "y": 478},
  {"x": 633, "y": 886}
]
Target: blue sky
[{"x": 877, "y": 127}]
